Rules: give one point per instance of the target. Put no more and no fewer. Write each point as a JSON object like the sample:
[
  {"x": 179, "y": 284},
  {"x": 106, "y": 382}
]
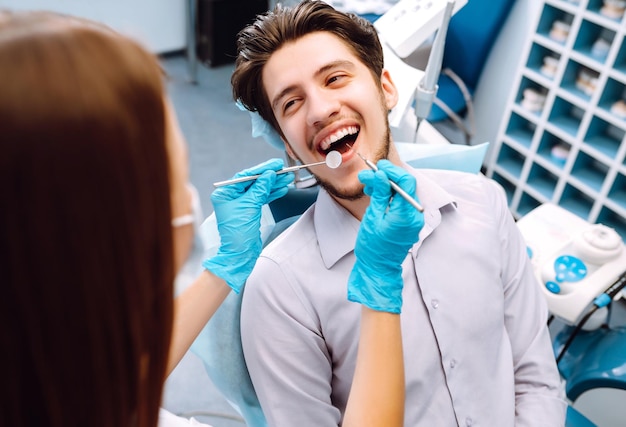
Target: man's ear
[{"x": 390, "y": 92}]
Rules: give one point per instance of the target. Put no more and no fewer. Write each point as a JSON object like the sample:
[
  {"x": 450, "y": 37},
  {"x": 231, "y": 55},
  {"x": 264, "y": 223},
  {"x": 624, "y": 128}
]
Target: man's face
[{"x": 324, "y": 98}]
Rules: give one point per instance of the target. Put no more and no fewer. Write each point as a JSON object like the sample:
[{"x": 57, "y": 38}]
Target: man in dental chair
[{"x": 476, "y": 347}]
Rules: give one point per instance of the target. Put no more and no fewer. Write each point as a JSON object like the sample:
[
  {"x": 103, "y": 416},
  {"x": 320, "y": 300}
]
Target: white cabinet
[
  {"x": 563, "y": 135},
  {"x": 159, "y": 24}
]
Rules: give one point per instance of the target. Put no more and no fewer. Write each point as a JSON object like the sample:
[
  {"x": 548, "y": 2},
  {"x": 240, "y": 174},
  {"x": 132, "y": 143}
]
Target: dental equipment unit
[{"x": 579, "y": 265}]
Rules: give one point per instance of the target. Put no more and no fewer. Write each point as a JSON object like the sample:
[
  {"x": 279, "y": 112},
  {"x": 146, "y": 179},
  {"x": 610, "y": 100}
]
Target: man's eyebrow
[
  {"x": 322, "y": 70},
  {"x": 282, "y": 94}
]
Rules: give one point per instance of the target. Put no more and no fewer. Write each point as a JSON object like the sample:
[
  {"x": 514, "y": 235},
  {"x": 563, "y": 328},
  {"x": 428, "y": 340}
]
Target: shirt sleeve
[
  {"x": 285, "y": 351},
  {"x": 539, "y": 394}
]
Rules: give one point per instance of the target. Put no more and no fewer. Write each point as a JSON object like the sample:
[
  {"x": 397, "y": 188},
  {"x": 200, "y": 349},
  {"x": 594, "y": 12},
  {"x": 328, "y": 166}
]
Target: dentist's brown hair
[{"x": 85, "y": 234}]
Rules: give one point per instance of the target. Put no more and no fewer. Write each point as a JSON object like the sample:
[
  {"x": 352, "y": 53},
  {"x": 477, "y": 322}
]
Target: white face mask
[{"x": 193, "y": 264}]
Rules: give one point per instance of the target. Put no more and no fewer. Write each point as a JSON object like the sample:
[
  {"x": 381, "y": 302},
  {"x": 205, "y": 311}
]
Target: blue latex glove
[
  {"x": 238, "y": 213},
  {"x": 388, "y": 230}
]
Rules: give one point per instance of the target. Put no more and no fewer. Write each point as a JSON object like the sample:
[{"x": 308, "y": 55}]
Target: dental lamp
[
  {"x": 402, "y": 29},
  {"x": 427, "y": 87}
]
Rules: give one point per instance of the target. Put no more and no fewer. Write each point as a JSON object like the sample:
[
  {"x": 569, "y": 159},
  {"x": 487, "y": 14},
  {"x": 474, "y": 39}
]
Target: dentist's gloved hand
[
  {"x": 388, "y": 230},
  {"x": 238, "y": 213}
]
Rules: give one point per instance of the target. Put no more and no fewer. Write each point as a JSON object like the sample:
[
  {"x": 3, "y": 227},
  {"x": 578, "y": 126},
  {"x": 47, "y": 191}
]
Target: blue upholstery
[
  {"x": 576, "y": 419},
  {"x": 595, "y": 359},
  {"x": 219, "y": 347},
  {"x": 471, "y": 34}
]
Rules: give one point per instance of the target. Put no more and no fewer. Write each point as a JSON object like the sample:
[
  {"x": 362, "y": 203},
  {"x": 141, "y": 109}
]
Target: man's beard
[
  {"x": 382, "y": 153},
  {"x": 358, "y": 193}
]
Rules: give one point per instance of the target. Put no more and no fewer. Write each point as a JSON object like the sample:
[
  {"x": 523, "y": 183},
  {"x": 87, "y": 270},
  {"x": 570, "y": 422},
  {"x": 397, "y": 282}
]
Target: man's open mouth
[{"x": 341, "y": 141}]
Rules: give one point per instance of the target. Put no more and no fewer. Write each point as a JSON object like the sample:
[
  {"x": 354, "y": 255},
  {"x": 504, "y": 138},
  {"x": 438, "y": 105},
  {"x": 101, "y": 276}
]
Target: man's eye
[
  {"x": 289, "y": 104},
  {"x": 334, "y": 79}
]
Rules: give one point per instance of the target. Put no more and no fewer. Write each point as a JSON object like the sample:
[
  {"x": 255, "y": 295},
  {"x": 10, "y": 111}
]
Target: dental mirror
[{"x": 333, "y": 160}]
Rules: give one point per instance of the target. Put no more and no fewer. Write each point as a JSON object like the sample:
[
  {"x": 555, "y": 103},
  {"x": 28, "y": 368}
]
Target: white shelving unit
[{"x": 572, "y": 151}]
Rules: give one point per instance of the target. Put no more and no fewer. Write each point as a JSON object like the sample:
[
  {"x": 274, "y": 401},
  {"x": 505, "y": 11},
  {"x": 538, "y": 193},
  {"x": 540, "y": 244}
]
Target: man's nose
[{"x": 322, "y": 106}]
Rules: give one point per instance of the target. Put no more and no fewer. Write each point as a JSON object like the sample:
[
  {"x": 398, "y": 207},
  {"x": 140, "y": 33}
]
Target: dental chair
[
  {"x": 471, "y": 35},
  {"x": 594, "y": 361}
]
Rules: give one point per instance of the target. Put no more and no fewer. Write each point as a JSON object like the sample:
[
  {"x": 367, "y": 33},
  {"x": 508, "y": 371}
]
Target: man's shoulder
[
  {"x": 296, "y": 237},
  {"x": 459, "y": 183},
  {"x": 445, "y": 177}
]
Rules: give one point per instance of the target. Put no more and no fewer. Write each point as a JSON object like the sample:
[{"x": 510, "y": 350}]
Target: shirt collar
[{"x": 336, "y": 229}]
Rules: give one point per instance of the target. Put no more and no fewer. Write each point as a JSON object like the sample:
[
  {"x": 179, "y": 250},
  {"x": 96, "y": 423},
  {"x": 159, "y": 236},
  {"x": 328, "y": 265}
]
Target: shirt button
[
  {"x": 452, "y": 363},
  {"x": 435, "y": 303},
  {"x": 469, "y": 421}
]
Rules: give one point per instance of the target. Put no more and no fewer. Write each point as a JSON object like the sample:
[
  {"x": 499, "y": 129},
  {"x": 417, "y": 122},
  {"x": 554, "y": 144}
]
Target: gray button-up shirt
[{"x": 476, "y": 347}]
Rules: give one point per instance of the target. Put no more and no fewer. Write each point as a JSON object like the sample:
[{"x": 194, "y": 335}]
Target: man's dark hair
[{"x": 257, "y": 42}]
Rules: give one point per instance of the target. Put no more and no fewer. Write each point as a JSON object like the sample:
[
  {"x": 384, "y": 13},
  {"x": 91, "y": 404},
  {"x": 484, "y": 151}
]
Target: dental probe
[
  {"x": 395, "y": 186},
  {"x": 333, "y": 161}
]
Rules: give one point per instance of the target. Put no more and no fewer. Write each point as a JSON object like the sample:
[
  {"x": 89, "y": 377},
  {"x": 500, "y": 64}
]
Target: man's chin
[{"x": 343, "y": 194}]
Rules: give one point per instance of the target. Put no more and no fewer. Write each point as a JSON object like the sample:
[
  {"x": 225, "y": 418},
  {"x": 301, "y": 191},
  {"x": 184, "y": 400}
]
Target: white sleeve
[{"x": 167, "y": 419}]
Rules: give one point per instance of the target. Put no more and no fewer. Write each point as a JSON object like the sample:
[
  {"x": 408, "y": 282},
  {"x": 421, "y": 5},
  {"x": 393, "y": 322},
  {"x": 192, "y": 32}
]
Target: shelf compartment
[
  {"x": 589, "y": 171},
  {"x": 542, "y": 181},
  {"x": 547, "y": 28},
  {"x": 604, "y": 137},
  {"x": 620, "y": 61},
  {"x": 526, "y": 204},
  {"x": 567, "y": 5},
  {"x": 543, "y": 61},
  {"x": 612, "y": 219},
  {"x": 576, "y": 201},
  {"x": 511, "y": 160},
  {"x": 509, "y": 187},
  {"x": 598, "y": 7},
  {"x": 521, "y": 130},
  {"x": 566, "y": 116},
  {"x": 531, "y": 96},
  {"x": 595, "y": 6},
  {"x": 618, "y": 191},
  {"x": 594, "y": 41},
  {"x": 614, "y": 94},
  {"x": 580, "y": 80},
  {"x": 554, "y": 150}
]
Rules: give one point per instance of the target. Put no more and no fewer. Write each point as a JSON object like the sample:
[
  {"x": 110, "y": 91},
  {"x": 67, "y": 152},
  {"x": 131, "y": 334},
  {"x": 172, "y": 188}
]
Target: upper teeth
[{"x": 337, "y": 135}]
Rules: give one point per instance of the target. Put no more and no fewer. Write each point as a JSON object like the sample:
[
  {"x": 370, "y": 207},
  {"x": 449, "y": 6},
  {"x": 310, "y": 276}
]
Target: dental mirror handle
[
  {"x": 396, "y": 187},
  {"x": 253, "y": 177}
]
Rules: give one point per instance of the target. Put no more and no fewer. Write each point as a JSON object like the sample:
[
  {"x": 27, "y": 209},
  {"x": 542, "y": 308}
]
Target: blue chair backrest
[{"x": 471, "y": 34}]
